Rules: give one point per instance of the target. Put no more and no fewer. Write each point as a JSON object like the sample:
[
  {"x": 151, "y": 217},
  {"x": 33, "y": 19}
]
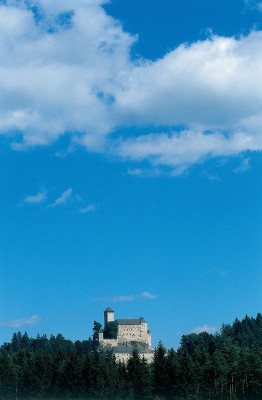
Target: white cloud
[
  {"x": 211, "y": 177},
  {"x": 181, "y": 149},
  {"x": 117, "y": 299},
  {"x": 254, "y": 4},
  {"x": 244, "y": 166},
  {"x": 20, "y": 322},
  {"x": 220, "y": 272},
  {"x": 147, "y": 295},
  {"x": 77, "y": 77},
  {"x": 123, "y": 298},
  {"x": 36, "y": 199},
  {"x": 63, "y": 198},
  {"x": 60, "y": 81},
  {"x": 205, "y": 328},
  {"x": 87, "y": 209},
  {"x": 146, "y": 172}
]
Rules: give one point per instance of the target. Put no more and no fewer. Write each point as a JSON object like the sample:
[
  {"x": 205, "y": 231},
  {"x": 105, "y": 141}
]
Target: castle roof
[
  {"x": 109, "y": 310},
  {"x": 130, "y": 321}
]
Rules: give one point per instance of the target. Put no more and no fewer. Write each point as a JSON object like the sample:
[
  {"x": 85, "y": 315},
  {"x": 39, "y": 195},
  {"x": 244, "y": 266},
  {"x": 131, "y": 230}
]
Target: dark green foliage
[
  {"x": 138, "y": 377},
  {"x": 96, "y": 330},
  {"x": 110, "y": 330},
  {"x": 159, "y": 371},
  {"x": 8, "y": 374},
  {"x": 225, "y": 366}
]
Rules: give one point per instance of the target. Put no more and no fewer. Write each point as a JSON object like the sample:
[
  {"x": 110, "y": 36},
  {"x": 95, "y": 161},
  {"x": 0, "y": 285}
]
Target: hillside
[{"x": 227, "y": 365}]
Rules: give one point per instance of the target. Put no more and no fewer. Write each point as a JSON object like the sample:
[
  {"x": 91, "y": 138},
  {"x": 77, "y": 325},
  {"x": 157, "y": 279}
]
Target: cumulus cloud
[
  {"x": 67, "y": 69},
  {"x": 182, "y": 149},
  {"x": 63, "y": 198},
  {"x": 20, "y": 322},
  {"x": 58, "y": 77},
  {"x": 36, "y": 199},
  {"x": 205, "y": 328}
]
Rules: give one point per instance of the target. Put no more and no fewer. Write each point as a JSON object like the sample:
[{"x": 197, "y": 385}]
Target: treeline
[{"x": 227, "y": 365}]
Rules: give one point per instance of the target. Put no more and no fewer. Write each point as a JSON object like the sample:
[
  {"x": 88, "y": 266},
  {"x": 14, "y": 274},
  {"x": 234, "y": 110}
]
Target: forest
[{"x": 227, "y": 365}]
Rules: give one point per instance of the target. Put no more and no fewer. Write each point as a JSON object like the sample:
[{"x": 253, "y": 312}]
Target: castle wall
[
  {"x": 124, "y": 357},
  {"x": 132, "y": 333},
  {"x": 149, "y": 339},
  {"x": 136, "y": 333},
  {"x": 109, "y": 342}
]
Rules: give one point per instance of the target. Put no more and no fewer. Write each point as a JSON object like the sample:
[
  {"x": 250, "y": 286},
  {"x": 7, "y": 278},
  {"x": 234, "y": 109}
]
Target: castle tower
[{"x": 109, "y": 315}]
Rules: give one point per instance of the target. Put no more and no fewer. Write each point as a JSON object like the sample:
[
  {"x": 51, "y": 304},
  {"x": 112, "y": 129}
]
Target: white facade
[{"x": 134, "y": 333}]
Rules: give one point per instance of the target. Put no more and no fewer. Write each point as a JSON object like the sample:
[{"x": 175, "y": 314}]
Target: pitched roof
[
  {"x": 109, "y": 310},
  {"x": 130, "y": 321}
]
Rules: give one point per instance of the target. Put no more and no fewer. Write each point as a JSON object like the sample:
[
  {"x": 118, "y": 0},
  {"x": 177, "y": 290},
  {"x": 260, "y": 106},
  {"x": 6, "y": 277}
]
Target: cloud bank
[{"x": 66, "y": 68}]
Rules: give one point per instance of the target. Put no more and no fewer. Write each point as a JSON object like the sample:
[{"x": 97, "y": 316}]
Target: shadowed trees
[{"x": 225, "y": 366}]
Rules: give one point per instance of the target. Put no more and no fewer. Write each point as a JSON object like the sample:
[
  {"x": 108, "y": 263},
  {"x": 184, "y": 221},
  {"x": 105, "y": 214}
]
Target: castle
[{"x": 131, "y": 333}]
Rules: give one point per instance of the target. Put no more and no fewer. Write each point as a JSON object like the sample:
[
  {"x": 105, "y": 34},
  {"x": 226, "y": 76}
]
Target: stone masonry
[{"x": 132, "y": 333}]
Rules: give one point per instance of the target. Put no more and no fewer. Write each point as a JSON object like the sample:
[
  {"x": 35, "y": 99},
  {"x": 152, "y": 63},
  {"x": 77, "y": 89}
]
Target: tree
[
  {"x": 59, "y": 363},
  {"x": 42, "y": 380},
  {"x": 159, "y": 371},
  {"x": 96, "y": 330},
  {"x": 72, "y": 373},
  {"x": 111, "y": 330},
  {"x": 8, "y": 375},
  {"x": 25, "y": 361},
  {"x": 172, "y": 367},
  {"x": 15, "y": 343},
  {"x": 186, "y": 373},
  {"x": 138, "y": 376},
  {"x": 87, "y": 374}
]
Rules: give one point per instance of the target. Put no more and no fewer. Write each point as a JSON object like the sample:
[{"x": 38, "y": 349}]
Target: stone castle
[{"x": 131, "y": 333}]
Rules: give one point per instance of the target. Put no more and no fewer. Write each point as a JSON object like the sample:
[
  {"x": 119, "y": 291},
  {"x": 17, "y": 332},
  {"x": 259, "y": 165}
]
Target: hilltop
[{"x": 227, "y": 365}]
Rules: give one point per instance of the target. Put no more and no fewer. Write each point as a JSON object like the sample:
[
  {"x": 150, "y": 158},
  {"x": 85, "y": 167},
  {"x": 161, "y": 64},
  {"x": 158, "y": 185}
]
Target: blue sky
[{"x": 130, "y": 144}]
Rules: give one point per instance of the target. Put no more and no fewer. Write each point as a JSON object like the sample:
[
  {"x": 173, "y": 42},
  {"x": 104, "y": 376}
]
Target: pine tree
[
  {"x": 86, "y": 374},
  {"x": 59, "y": 362},
  {"x": 172, "y": 368},
  {"x": 159, "y": 371},
  {"x": 42, "y": 373},
  {"x": 186, "y": 374},
  {"x": 15, "y": 343},
  {"x": 25, "y": 362},
  {"x": 72, "y": 375},
  {"x": 138, "y": 376},
  {"x": 8, "y": 376},
  {"x": 96, "y": 329}
]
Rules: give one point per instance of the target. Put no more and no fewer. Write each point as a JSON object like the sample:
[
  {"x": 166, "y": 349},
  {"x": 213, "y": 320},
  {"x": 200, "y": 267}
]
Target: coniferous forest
[{"x": 227, "y": 365}]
